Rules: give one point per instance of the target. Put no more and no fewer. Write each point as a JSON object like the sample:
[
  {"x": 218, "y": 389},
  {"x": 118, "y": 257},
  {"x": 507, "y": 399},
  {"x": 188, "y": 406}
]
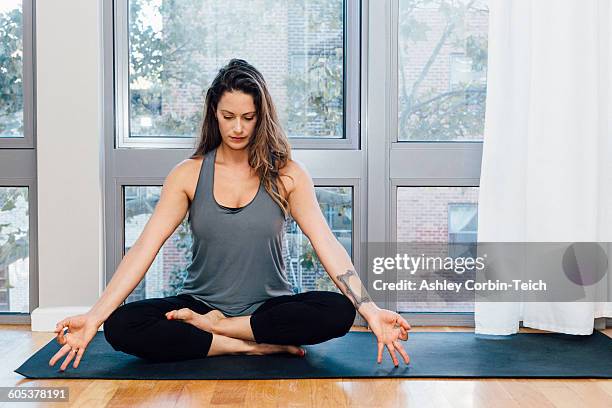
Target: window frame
[
  {"x": 28, "y": 141},
  {"x": 423, "y": 164},
  {"x": 20, "y": 172},
  {"x": 352, "y": 77},
  {"x": 18, "y": 161}
]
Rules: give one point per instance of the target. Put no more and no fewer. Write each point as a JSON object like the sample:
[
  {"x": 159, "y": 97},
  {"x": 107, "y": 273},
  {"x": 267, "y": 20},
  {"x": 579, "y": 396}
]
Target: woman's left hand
[{"x": 389, "y": 328}]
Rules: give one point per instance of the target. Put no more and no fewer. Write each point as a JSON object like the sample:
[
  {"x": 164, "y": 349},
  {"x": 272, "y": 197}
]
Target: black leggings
[{"x": 141, "y": 328}]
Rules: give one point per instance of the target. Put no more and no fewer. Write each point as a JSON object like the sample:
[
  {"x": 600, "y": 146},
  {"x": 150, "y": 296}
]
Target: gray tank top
[{"x": 237, "y": 259}]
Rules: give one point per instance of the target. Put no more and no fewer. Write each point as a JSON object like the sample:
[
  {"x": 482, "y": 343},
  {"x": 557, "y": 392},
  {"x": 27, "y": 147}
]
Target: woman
[{"x": 239, "y": 188}]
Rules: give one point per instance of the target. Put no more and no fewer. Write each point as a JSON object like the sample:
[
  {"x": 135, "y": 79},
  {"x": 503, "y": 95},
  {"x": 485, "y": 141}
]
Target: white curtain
[{"x": 547, "y": 153}]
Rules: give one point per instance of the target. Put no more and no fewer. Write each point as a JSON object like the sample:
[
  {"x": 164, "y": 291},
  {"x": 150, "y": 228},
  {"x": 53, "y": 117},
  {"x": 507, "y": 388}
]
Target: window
[
  {"x": 442, "y": 63},
  {"x": 304, "y": 269},
  {"x": 18, "y": 197},
  {"x": 462, "y": 229},
  {"x": 167, "y": 272},
  {"x": 437, "y": 215},
  {"x": 169, "y": 52},
  {"x": 14, "y": 249},
  {"x": 11, "y": 69}
]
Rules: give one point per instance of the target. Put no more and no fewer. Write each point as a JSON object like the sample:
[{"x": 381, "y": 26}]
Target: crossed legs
[{"x": 180, "y": 327}]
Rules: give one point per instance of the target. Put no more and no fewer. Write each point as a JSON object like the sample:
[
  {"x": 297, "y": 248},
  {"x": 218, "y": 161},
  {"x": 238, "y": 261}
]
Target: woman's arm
[
  {"x": 387, "y": 325},
  {"x": 169, "y": 213},
  {"x": 167, "y": 216}
]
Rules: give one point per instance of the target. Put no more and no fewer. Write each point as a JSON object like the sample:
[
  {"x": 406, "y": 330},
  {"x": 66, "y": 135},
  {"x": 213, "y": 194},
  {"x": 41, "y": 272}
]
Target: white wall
[{"x": 69, "y": 134}]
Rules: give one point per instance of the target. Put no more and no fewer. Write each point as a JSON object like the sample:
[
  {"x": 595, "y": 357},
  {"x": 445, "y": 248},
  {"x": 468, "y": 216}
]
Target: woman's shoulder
[
  {"x": 190, "y": 164},
  {"x": 292, "y": 173},
  {"x": 185, "y": 174}
]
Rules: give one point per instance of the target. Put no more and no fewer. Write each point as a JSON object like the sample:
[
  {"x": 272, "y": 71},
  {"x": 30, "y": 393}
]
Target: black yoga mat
[{"x": 456, "y": 355}]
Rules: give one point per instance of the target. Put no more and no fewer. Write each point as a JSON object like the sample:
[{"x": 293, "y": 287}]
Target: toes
[
  {"x": 185, "y": 314},
  {"x": 181, "y": 314},
  {"x": 298, "y": 351},
  {"x": 173, "y": 314}
]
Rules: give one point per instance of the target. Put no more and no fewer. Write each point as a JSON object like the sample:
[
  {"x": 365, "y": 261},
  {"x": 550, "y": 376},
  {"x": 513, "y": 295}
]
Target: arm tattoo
[{"x": 358, "y": 298}]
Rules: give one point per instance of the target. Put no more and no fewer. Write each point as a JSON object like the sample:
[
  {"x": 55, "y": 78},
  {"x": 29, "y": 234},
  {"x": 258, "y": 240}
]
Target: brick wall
[{"x": 422, "y": 216}]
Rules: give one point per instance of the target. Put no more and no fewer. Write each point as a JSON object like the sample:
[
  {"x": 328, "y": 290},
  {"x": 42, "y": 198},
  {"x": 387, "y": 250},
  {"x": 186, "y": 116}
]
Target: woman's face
[{"x": 237, "y": 118}]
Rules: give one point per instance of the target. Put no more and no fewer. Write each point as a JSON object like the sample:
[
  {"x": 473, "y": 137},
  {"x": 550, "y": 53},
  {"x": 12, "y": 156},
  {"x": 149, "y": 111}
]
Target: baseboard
[
  {"x": 439, "y": 319},
  {"x": 44, "y": 319}
]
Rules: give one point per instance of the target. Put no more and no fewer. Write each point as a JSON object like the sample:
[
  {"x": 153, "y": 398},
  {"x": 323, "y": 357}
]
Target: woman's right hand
[{"x": 81, "y": 330}]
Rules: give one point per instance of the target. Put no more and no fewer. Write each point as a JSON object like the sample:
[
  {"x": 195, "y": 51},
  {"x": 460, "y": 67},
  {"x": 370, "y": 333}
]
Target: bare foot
[
  {"x": 222, "y": 345},
  {"x": 203, "y": 322},
  {"x": 261, "y": 349}
]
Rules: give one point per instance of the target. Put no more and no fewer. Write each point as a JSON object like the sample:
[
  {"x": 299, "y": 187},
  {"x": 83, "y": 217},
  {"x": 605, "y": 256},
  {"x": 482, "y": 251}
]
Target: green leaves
[
  {"x": 176, "y": 47},
  {"x": 11, "y": 65},
  {"x": 438, "y": 39}
]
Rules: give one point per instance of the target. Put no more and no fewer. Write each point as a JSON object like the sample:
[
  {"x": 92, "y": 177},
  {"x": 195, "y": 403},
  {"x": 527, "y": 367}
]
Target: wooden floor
[{"x": 17, "y": 343}]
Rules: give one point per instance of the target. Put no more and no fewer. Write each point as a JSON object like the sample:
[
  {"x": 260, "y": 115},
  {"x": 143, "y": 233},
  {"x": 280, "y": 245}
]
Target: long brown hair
[{"x": 269, "y": 149}]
